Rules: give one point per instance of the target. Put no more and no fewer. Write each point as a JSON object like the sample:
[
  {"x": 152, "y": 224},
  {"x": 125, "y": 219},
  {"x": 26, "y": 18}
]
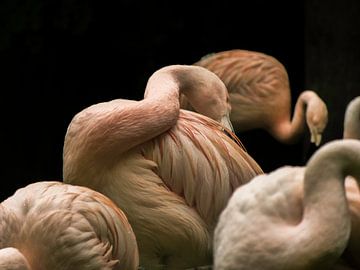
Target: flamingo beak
[
  {"x": 315, "y": 137},
  {"x": 225, "y": 121}
]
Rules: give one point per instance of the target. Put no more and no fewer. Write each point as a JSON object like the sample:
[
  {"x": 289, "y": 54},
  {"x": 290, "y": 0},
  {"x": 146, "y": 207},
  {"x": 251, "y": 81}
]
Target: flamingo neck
[
  {"x": 290, "y": 131},
  {"x": 326, "y": 223},
  {"x": 195, "y": 83},
  {"x": 352, "y": 120},
  {"x": 102, "y": 132}
]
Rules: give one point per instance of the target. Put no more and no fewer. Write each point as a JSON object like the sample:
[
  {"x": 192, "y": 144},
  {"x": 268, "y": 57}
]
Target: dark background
[{"x": 58, "y": 57}]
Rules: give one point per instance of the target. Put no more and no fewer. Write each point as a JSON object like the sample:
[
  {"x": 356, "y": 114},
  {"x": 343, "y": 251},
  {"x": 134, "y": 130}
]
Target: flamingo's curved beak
[
  {"x": 225, "y": 121},
  {"x": 315, "y": 137}
]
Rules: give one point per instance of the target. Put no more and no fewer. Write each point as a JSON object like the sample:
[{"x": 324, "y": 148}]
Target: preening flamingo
[
  {"x": 293, "y": 218},
  {"x": 171, "y": 171},
  {"x": 52, "y": 225},
  {"x": 260, "y": 96}
]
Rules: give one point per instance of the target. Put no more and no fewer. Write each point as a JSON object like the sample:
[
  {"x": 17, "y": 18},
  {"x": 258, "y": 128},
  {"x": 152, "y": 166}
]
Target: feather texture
[
  {"x": 59, "y": 226},
  {"x": 171, "y": 171},
  {"x": 260, "y": 96}
]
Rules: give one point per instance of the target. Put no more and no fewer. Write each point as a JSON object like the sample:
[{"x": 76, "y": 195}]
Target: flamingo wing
[{"x": 200, "y": 162}]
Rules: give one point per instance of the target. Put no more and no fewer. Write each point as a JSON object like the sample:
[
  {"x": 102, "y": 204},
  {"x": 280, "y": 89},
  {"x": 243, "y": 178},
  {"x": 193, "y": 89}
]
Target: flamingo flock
[{"x": 165, "y": 183}]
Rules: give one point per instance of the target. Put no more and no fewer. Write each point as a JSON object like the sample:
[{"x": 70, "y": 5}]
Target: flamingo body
[
  {"x": 172, "y": 184},
  {"x": 52, "y": 225},
  {"x": 293, "y": 218}
]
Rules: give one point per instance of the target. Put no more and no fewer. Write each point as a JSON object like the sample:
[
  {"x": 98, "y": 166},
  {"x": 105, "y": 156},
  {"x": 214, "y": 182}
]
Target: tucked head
[{"x": 204, "y": 90}]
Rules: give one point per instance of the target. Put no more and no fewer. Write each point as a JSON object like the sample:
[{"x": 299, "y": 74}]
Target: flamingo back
[
  {"x": 258, "y": 87},
  {"x": 60, "y": 226}
]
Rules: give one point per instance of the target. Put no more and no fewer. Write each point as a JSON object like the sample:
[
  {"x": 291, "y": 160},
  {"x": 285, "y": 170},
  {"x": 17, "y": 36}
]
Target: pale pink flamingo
[
  {"x": 260, "y": 96},
  {"x": 293, "y": 218},
  {"x": 171, "y": 171},
  {"x": 351, "y": 130},
  {"x": 52, "y": 225}
]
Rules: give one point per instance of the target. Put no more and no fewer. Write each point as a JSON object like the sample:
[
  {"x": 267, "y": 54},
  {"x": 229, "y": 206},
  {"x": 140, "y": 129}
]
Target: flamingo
[
  {"x": 293, "y": 218},
  {"x": 260, "y": 97},
  {"x": 52, "y": 225},
  {"x": 351, "y": 130},
  {"x": 171, "y": 171}
]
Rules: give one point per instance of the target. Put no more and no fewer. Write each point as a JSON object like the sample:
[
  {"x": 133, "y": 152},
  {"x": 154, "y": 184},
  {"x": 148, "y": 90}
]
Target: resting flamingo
[
  {"x": 171, "y": 171},
  {"x": 260, "y": 97},
  {"x": 52, "y": 225},
  {"x": 293, "y": 218}
]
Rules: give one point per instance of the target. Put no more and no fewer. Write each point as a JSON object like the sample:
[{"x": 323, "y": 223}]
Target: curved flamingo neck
[
  {"x": 326, "y": 223},
  {"x": 204, "y": 90},
  {"x": 290, "y": 131},
  {"x": 352, "y": 120},
  {"x": 107, "y": 130}
]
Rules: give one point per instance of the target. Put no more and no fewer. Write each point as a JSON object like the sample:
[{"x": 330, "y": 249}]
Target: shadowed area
[{"x": 61, "y": 57}]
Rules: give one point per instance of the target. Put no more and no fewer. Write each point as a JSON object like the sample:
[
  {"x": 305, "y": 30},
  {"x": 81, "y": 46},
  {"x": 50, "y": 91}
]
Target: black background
[{"x": 58, "y": 57}]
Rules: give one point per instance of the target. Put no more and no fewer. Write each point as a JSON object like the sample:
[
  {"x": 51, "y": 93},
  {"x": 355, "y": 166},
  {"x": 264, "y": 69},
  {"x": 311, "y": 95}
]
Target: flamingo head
[{"x": 316, "y": 119}]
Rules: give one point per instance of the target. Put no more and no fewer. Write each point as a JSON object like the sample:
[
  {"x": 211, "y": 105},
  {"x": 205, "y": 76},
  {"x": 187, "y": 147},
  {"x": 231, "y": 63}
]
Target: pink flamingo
[
  {"x": 260, "y": 97},
  {"x": 171, "y": 171},
  {"x": 52, "y": 225}
]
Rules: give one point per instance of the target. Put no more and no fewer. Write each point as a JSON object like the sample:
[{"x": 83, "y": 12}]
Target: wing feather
[{"x": 202, "y": 163}]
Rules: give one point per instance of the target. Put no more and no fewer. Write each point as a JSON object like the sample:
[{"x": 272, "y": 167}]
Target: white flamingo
[{"x": 293, "y": 218}]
